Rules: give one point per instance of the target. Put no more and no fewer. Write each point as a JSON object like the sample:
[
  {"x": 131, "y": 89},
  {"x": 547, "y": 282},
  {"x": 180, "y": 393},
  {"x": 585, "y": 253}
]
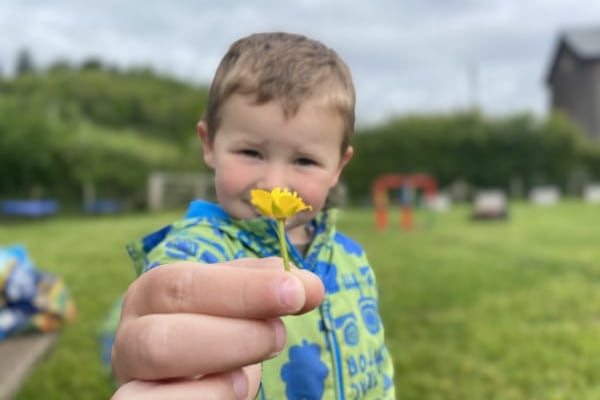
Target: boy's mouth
[{"x": 255, "y": 212}]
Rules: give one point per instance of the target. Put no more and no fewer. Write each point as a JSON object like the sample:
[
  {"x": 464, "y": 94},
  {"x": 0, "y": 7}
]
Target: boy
[{"x": 208, "y": 325}]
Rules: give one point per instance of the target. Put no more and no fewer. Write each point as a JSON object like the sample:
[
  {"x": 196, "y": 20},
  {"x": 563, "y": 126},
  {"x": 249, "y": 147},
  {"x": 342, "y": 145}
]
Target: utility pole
[{"x": 473, "y": 85}]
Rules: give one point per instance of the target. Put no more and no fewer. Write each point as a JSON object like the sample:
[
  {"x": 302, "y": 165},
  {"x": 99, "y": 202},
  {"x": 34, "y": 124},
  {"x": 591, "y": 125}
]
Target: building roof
[{"x": 585, "y": 42}]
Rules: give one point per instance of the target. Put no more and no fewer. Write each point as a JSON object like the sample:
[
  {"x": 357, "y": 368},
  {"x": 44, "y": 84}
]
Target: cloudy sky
[{"x": 406, "y": 55}]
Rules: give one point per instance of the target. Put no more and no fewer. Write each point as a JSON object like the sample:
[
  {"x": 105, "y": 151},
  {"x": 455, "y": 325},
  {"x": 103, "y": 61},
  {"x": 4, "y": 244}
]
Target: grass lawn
[{"x": 473, "y": 311}]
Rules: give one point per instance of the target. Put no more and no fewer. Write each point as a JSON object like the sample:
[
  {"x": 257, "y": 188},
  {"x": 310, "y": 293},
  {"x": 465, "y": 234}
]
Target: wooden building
[{"x": 574, "y": 78}]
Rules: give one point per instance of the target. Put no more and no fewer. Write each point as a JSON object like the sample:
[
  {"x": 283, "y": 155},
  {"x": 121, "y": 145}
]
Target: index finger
[{"x": 237, "y": 289}]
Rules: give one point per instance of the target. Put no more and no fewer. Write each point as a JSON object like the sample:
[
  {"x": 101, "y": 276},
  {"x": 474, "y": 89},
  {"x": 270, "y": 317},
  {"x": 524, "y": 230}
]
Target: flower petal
[
  {"x": 288, "y": 205},
  {"x": 277, "y": 211},
  {"x": 278, "y": 203},
  {"x": 263, "y": 201}
]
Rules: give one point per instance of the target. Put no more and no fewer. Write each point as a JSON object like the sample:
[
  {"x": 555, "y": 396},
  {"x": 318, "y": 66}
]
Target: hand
[{"x": 201, "y": 331}]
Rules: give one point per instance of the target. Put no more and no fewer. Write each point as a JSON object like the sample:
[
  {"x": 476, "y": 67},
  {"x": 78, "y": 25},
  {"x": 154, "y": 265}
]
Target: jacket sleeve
[{"x": 199, "y": 245}]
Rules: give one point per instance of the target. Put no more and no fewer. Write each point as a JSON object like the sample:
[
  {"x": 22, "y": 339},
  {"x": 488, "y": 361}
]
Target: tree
[
  {"x": 24, "y": 64},
  {"x": 92, "y": 64}
]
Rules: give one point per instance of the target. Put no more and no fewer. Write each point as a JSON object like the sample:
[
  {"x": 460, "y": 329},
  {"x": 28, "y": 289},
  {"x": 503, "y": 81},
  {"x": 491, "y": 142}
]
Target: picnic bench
[{"x": 18, "y": 357}]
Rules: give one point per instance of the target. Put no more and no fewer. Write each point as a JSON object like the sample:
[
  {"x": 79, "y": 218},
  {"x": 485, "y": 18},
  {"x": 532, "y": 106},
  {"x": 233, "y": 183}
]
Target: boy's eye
[
  {"x": 305, "y": 162},
  {"x": 250, "y": 153}
]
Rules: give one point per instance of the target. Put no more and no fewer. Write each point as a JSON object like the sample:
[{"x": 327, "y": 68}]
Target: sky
[{"x": 406, "y": 56}]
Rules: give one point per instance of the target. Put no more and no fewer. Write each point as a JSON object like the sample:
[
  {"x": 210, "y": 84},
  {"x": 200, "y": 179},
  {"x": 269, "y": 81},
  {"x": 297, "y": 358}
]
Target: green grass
[{"x": 473, "y": 311}]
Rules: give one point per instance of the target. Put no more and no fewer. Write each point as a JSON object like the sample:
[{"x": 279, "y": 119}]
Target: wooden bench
[{"x": 18, "y": 357}]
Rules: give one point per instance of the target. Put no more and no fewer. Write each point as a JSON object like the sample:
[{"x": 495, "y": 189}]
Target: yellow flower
[{"x": 277, "y": 203}]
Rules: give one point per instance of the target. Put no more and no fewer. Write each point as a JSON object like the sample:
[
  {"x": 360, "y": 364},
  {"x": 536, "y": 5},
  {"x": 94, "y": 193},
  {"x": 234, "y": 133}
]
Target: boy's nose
[{"x": 273, "y": 177}]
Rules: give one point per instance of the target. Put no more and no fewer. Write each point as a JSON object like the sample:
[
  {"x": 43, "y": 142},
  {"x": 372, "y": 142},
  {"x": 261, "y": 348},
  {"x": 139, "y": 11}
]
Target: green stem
[{"x": 283, "y": 243}]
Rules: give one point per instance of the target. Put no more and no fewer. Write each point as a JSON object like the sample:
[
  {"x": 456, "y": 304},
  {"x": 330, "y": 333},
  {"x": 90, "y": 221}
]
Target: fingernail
[
  {"x": 289, "y": 289},
  {"x": 280, "y": 336},
  {"x": 240, "y": 384}
]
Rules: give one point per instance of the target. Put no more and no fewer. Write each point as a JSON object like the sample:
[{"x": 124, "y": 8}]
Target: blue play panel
[
  {"x": 28, "y": 208},
  {"x": 103, "y": 206}
]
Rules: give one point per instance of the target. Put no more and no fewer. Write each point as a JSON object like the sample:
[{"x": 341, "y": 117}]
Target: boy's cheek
[
  {"x": 315, "y": 194},
  {"x": 317, "y": 206},
  {"x": 230, "y": 179}
]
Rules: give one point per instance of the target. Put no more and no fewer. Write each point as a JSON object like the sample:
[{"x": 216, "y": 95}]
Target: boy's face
[{"x": 257, "y": 147}]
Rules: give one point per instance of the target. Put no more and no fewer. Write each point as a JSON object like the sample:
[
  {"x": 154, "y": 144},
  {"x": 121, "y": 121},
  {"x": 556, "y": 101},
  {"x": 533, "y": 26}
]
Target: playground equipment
[
  {"x": 406, "y": 185},
  {"x": 31, "y": 208}
]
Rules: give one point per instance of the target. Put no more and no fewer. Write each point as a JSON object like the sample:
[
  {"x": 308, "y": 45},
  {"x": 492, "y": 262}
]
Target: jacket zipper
[{"x": 334, "y": 348}]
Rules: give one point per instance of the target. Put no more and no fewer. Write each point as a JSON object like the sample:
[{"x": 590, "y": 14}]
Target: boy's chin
[
  {"x": 298, "y": 221},
  {"x": 237, "y": 214}
]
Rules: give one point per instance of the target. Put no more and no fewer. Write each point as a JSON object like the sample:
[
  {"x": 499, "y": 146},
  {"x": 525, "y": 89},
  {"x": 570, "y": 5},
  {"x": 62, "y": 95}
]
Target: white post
[{"x": 155, "y": 191}]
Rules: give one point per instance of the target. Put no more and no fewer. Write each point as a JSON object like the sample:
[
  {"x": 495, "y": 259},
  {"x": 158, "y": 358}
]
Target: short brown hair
[{"x": 286, "y": 67}]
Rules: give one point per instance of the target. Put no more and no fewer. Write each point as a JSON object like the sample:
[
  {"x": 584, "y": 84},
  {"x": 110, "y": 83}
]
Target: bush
[{"x": 483, "y": 151}]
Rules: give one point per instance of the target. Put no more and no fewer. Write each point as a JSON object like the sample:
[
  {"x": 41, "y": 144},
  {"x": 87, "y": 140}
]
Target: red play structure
[{"x": 399, "y": 182}]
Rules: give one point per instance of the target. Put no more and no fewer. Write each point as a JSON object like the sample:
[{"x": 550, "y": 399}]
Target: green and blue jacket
[{"x": 335, "y": 351}]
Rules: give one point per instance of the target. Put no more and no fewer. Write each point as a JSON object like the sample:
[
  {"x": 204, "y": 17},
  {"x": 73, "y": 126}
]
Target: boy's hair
[{"x": 285, "y": 67}]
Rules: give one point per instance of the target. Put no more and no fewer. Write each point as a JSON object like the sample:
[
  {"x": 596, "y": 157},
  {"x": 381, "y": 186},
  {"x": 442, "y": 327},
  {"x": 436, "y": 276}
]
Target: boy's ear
[
  {"x": 345, "y": 159},
  {"x": 207, "y": 145}
]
